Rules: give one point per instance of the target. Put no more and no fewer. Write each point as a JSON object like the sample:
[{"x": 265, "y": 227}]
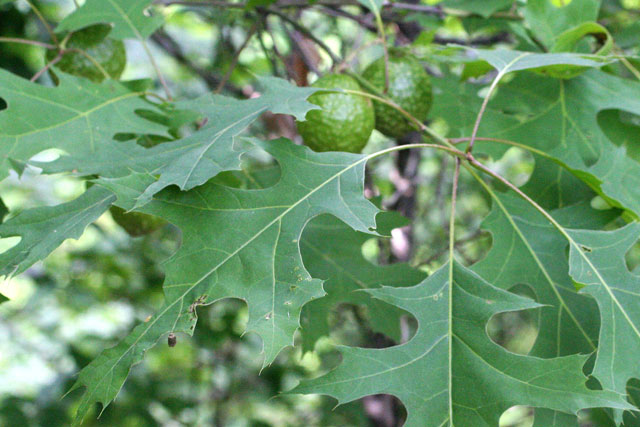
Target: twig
[
  {"x": 297, "y": 39},
  {"x": 236, "y": 57},
  {"x": 163, "y": 82},
  {"x": 170, "y": 46},
  {"x": 460, "y": 242},
  {"x": 267, "y": 54},
  {"x": 48, "y": 65},
  {"x": 334, "y": 58},
  {"x": 501, "y": 37},
  {"x": 25, "y": 41},
  {"x": 288, "y": 70},
  {"x": 506, "y": 142},
  {"x": 43, "y": 20},
  {"x": 91, "y": 59},
  {"x": 625, "y": 61},
  {"x": 359, "y": 19},
  {"x": 243, "y": 5},
  {"x": 485, "y": 102}
]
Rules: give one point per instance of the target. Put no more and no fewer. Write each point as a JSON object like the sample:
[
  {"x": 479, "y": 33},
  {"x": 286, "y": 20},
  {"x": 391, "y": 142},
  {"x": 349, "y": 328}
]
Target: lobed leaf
[
  {"x": 597, "y": 260},
  {"x": 238, "y": 244},
  {"x": 558, "y": 118},
  {"x": 332, "y": 251},
  {"x": 528, "y": 250},
  {"x": 78, "y": 117},
  {"x": 191, "y": 161},
  {"x": 450, "y": 372},
  {"x": 44, "y": 229},
  {"x": 128, "y": 18}
]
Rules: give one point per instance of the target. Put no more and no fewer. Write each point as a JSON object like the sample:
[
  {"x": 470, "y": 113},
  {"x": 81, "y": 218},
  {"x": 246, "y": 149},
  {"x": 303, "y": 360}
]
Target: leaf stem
[
  {"x": 163, "y": 82},
  {"x": 236, "y": 58},
  {"x": 91, "y": 59},
  {"x": 43, "y": 20},
  {"x": 26, "y": 41},
  {"x": 621, "y": 55},
  {"x": 452, "y": 245},
  {"x": 335, "y": 59},
  {"x": 485, "y": 102},
  {"x": 385, "y": 48},
  {"x": 476, "y": 164},
  {"x": 48, "y": 65},
  {"x": 505, "y": 142}
]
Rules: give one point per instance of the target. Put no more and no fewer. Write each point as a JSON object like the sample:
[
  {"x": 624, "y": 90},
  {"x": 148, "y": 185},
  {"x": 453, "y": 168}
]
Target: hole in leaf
[
  {"x": 560, "y": 3},
  {"x": 8, "y": 243},
  {"x": 516, "y": 331},
  {"x": 633, "y": 393},
  {"x": 632, "y": 259},
  {"x": 586, "y": 249},
  {"x": 381, "y": 407},
  {"x": 623, "y": 129},
  {"x": 517, "y": 416},
  {"x": 3, "y": 104},
  {"x": 516, "y": 165}
]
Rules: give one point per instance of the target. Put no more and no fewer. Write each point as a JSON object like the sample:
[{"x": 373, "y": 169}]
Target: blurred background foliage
[{"x": 89, "y": 293}]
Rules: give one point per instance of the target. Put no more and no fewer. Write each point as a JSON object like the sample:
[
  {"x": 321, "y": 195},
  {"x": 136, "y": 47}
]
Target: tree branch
[{"x": 212, "y": 80}]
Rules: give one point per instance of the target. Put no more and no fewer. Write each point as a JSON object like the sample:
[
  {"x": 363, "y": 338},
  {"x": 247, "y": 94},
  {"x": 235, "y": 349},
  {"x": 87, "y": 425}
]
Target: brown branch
[
  {"x": 171, "y": 47},
  {"x": 26, "y": 41},
  {"x": 48, "y": 65},
  {"x": 236, "y": 57},
  {"x": 287, "y": 68},
  {"x": 243, "y": 5},
  {"x": 334, "y": 58}
]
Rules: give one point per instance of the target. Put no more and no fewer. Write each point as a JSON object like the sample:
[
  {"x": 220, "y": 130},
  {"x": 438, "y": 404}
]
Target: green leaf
[
  {"x": 77, "y": 117},
  {"x": 507, "y": 61},
  {"x": 450, "y": 372},
  {"x": 481, "y": 7},
  {"x": 558, "y": 119},
  {"x": 373, "y": 5},
  {"x": 528, "y": 250},
  {"x": 238, "y": 244},
  {"x": 547, "y": 20},
  {"x": 332, "y": 251},
  {"x": 547, "y": 418},
  {"x": 193, "y": 160},
  {"x": 127, "y": 17},
  {"x": 43, "y": 229},
  {"x": 597, "y": 260}
]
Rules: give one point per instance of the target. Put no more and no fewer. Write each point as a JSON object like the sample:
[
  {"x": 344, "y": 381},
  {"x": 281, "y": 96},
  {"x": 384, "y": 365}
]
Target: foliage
[{"x": 528, "y": 111}]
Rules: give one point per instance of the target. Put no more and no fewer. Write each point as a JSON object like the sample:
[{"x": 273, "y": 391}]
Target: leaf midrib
[{"x": 230, "y": 256}]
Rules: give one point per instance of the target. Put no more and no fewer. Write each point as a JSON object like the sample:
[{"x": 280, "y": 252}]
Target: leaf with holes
[
  {"x": 332, "y": 251},
  {"x": 450, "y": 372},
  {"x": 597, "y": 261},
  {"x": 528, "y": 250},
  {"x": 44, "y": 229},
  {"x": 557, "y": 120},
  {"x": 80, "y": 117},
  {"x": 240, "y": 244},
  {"x": 193, "y": 160},
  {"x": 128, "y": 17}
]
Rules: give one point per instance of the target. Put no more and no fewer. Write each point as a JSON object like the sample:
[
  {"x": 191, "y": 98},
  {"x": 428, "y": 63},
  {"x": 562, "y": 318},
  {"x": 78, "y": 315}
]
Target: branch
[
  {"x": 334, "y": 58},
  {"x": 166, "y": 42},
  {"x": 48, "y": 65},
  {"x": 236, "y": 57},
  {"x": 26, "y": 41}
]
